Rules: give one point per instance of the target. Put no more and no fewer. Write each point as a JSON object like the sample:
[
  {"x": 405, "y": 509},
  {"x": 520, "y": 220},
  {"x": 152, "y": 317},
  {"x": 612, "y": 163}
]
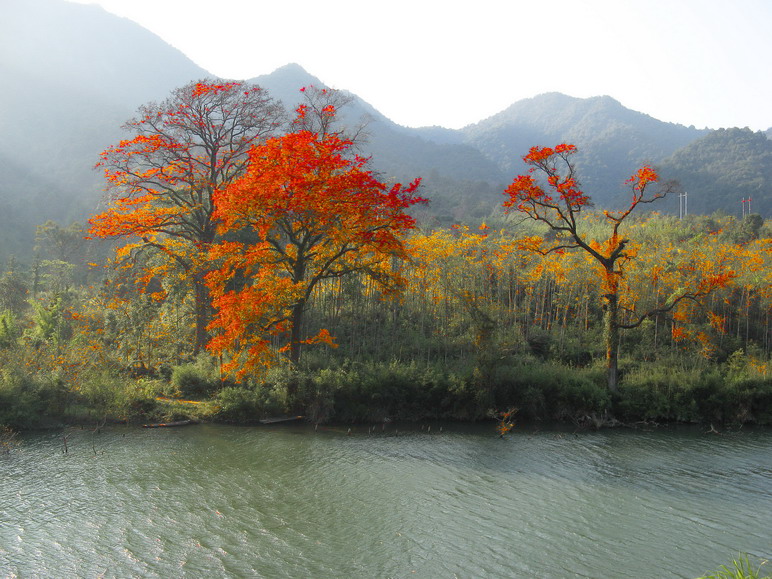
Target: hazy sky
[{"x": 429, "y": 62}]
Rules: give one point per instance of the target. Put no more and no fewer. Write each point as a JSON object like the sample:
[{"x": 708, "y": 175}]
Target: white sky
[{"x": 706, "y": 63}]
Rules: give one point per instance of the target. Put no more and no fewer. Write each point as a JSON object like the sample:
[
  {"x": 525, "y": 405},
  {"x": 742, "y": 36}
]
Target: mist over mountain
[
  {"x": 612, "y": 141},
  {"x": 399, "y": 153},
  {"x": 73, "y": 74}
]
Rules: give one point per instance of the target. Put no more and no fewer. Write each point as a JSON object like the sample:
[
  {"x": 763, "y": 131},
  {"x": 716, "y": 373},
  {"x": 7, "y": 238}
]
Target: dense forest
[
  {"x": 250, "y": 265},
  {"x": 723, "y": 168}
]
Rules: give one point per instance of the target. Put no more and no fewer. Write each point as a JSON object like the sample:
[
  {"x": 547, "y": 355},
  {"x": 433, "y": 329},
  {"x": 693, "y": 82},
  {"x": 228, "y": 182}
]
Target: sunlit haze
[{"x": 694, "y": 62}]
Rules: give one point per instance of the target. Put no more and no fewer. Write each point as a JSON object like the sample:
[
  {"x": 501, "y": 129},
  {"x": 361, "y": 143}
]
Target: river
[{"x": 406, "y": 501}]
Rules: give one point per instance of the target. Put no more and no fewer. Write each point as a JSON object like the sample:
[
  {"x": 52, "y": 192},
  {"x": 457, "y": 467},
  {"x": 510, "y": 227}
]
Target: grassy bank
[{"x": 378, "y": 391}]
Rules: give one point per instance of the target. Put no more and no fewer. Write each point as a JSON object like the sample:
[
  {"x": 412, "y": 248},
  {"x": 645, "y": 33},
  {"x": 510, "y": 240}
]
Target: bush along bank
[{"x": 379, "y": 391}]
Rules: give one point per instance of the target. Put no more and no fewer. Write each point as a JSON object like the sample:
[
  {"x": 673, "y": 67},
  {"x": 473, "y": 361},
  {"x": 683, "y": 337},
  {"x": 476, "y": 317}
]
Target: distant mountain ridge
[
  {"x": 73, "y": 74},
  {"x": 587, "y": 122}
]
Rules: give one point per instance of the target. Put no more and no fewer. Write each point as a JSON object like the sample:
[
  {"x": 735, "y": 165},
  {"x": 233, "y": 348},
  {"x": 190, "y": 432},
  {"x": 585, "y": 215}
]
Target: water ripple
[{"x": 291, "y": 502}]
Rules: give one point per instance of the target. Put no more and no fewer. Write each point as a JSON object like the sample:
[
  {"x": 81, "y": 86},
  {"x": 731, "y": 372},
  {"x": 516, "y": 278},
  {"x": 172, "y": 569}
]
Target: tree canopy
[{"x": 313, "y": 211}]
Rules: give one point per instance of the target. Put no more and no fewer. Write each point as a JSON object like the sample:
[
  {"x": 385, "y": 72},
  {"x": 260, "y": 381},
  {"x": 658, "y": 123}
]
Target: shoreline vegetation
[{"x": 383, "y": 392}]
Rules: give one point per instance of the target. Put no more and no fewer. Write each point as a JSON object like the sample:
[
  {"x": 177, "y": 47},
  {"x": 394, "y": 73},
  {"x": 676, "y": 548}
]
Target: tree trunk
[
  {"x": 202, "y": 307},
  {"x": 611, "y": 335},
  {"x": 296, "y": 332},
  {"x": 296, "y": 335}
]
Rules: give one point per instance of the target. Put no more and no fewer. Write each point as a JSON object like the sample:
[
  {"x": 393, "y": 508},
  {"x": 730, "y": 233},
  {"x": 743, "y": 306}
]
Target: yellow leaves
[
  {"x": 532, "y": 244},
  {"x": 680, "y": 316}
]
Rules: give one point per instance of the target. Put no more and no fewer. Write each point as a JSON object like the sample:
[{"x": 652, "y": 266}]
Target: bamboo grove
[{"x": 478, "y": 292}]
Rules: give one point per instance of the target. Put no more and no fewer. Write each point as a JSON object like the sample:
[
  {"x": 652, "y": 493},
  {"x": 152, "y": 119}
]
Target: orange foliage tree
[
  {"x": 312, "y": 212},
  {"x": 559, "y": 205},
  {"x": 164, "y": 179}
]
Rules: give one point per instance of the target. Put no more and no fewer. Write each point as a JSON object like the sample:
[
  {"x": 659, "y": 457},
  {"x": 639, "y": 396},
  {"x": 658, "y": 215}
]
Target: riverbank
[{"x": 374, "y": 393}]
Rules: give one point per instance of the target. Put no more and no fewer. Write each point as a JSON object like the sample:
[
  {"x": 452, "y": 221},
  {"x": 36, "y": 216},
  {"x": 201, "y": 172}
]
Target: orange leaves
[
  {"x": 678, "y": 334},
  {"x": 323, "y": 337},
  {"x": 643, "y": 177},
  {"x": 541, "y": 154},
  {"x": 532, "y": 244},
  {"x": 311, "y": 179},
  {"x": 717, "y": 322},
  {"x": 202, "y": 88},
  {"x": 558, "y": 208},
  {"x": 524, "y": 193},
  {"x": 317, "y": 213},
  {"x": 164, "y": 178}
]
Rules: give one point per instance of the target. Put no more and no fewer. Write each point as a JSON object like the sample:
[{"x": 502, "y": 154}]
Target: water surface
[{"x": 286, "y": 501}]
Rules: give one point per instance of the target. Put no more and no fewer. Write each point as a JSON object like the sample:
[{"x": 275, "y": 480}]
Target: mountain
[
  {"x": 72, "y": 75},
  {"x": 398, "y": 152},
  {"x": 612, "y": 141},
  {"x": 721, "y": 169},
  {"x": 450, "y": 169}
]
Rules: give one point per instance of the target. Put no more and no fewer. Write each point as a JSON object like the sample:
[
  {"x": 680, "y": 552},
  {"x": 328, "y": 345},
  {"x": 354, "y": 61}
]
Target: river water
[{"x": 456, "y": 501}]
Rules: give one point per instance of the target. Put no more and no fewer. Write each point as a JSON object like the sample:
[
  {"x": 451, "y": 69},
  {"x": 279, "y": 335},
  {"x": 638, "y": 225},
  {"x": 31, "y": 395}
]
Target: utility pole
[
  {"x": 683, "y": 208},
  {"x": 744, "y": 201}
]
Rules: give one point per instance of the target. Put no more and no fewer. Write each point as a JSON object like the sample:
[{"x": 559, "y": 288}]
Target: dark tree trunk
[
  {"x": 296, "y": 336},
  {"x": 611, "y": 336},
  {"x": 296, "y": 333}
]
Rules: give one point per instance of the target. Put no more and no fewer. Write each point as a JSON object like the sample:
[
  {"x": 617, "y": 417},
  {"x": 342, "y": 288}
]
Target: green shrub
[
  {"x": 244, "y": 405},
  {"x": 375, "y": 391},
  {"x": 21, "y": 405},
  {"x": 549, "y": 390},
  {"x": 660, "y": 392},
  {"x": 198, "y": 380},
  {"x": 30, "y": 401}
]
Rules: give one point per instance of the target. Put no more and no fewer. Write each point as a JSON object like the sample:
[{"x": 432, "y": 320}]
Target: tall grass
[{"x": 740, "y": 568}]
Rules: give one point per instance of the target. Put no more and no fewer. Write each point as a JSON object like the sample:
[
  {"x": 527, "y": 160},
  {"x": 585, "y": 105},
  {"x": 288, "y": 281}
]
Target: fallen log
[
  {"x": 280, "y": 419},
  {"x": 170, "y": 424}
]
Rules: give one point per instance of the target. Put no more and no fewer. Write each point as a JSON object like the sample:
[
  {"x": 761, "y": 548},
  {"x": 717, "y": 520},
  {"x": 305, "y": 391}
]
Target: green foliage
[
  {"x": 27, "y": 401},
  {"x": 243, "y": 405},
  {"x": 740, "y": 568},
  {"x": 666, "y": 392},
  {"x": 103, "y": 393},
  {"x": 551, "y": 390},
  {"x": 659, "y": 392},
  {"x": 726, "y": 160},
  {"x": 20, "y": 403},
  {"x": 377, "y": 391},
  {"x": 50, "y": 323},
  {"x": 9, "y": 331},
  {"x": 197, "y": 380},
  {"x": 13, "y": 291}
]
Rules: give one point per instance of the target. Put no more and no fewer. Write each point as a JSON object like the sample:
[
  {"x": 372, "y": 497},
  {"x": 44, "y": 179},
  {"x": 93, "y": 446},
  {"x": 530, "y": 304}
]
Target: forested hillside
[
  {"x": 74, "y": 74},
  {"x": 264, "y": 265},
  {"x": 722, "y": 169},
  {"x": 611, "y": 139}
]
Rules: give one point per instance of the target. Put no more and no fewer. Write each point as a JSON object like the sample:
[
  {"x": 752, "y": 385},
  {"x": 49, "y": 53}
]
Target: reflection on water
[{"x": 290, "y": 502}]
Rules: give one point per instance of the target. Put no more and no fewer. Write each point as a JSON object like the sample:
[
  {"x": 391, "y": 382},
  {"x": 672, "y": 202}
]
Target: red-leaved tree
[
  {"x": 313, "y": 212},
  {"x": 163, "y": 180},
  {"x": 558, "y": 202}
]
